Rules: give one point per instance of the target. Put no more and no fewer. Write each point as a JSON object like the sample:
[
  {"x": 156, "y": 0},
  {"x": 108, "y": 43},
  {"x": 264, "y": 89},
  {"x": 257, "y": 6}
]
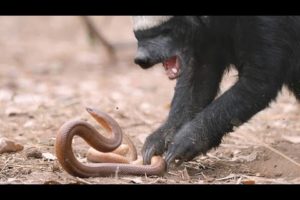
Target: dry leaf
[
  {"x": 7, "y": 146},
  {"x": 48, "y": 156},
  {"x": 248, "y": 182},
  {"x": 292, "y": 139}
]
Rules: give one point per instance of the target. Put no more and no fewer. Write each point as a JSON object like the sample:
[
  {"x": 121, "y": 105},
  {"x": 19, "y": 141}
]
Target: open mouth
[{"x": 172, "y": 67}]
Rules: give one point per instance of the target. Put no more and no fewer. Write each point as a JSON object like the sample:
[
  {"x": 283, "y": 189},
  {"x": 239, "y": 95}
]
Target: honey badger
[{"x": 196, "y": 51}]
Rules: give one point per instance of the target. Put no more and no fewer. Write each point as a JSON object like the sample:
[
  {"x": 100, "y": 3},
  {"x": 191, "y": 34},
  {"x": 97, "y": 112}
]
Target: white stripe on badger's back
[{"x": 146, "y": 22}]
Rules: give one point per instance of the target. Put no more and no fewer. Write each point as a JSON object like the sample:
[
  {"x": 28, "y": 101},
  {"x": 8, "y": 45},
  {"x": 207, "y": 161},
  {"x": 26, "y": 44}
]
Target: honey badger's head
[{"x": 169, "y": 40}]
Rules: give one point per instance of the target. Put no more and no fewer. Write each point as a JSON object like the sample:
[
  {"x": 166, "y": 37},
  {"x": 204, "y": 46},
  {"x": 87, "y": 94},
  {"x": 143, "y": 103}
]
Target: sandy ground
[{"x": 49, "y": 73}]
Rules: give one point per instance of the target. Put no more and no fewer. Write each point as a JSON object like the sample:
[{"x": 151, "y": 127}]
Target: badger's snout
[{"x": 143, "y": 59}]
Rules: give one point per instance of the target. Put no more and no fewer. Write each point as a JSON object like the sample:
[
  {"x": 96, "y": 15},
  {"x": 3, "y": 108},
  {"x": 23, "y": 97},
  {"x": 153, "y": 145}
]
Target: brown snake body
[{"x": 69, "y": 162}]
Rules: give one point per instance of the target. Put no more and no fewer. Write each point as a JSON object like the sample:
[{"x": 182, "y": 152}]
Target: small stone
[
  {"x": 34, "y": 153},
  {"x": 7, "y": 146},
  {"x": 48, "y": 156}
]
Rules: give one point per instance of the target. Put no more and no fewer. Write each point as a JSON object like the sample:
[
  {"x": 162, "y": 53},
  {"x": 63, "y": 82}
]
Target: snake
[{"x": 117, "y": 165}]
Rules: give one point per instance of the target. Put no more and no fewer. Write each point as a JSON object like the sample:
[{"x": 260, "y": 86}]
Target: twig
[
  {"x": 80, "y": 180},
  {"x": 212, "y": 156},
  {"x": 135, "y": 125},
  {"x": 95, "y": 34},
  {"x": 230, "y": 176},
  {"x": 239, "y": 180},
  {"x": 174, "y": 174},
  {"x": 205, "y": 177}
]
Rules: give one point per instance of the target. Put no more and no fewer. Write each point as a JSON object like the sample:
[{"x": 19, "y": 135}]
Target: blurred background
[{"x": 52, "y": 67}]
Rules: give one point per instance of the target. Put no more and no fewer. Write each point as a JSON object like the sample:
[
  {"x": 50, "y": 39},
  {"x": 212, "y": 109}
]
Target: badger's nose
[{"x": 142, "y": 59}]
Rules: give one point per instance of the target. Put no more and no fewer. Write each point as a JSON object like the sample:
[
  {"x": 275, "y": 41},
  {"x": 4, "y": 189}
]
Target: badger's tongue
[{"x": 171, "y": 66}]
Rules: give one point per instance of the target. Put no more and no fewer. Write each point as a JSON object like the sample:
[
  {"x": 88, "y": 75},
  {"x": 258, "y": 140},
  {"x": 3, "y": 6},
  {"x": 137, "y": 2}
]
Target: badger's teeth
[{"x": 174, "y": 70}]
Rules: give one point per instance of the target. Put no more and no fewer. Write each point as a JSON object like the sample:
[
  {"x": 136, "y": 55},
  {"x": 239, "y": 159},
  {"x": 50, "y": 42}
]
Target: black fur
[{"x": 264, "y": 49}]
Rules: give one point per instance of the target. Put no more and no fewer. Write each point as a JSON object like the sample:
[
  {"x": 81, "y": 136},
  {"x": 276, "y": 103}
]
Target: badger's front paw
[
  {"x": 188, "y": 143},
  {"x": 154, "y": 145}
]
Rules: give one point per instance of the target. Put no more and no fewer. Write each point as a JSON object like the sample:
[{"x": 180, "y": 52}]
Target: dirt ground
[{"x": 49, "y": 73}]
